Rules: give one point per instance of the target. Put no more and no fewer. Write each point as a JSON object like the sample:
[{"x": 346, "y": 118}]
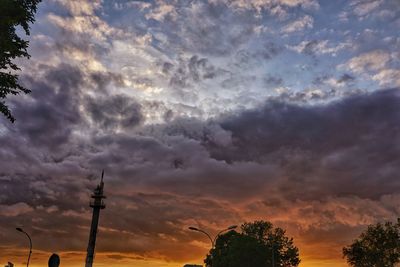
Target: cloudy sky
[{"x": 202, "y": 113}]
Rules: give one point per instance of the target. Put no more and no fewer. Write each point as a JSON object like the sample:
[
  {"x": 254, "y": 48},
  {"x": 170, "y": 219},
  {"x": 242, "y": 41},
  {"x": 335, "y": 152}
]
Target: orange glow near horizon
[
  {"x": 311, "y": 256},
  {"x": 77, "y": 259}
]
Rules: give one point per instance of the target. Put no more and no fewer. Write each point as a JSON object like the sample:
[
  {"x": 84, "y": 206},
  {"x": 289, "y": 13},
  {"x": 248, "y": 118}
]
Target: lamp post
[{"x": 30, "y": 244}]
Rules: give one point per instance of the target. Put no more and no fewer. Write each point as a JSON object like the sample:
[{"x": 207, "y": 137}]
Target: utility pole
[{"x": 97, "y": 204}]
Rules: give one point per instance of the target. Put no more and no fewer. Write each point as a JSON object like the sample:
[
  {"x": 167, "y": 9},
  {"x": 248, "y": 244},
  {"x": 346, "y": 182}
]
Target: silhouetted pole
[
  {"x": 97, "y": 205},
  {"x": 30, "y": 244}
]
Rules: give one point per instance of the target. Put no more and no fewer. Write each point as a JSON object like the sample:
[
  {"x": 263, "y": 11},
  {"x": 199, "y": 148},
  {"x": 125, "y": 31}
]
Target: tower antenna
[{"x": 96, "y": 204}]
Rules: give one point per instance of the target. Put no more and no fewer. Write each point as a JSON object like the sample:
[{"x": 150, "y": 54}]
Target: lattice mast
[{"x": 96, "y": 204}]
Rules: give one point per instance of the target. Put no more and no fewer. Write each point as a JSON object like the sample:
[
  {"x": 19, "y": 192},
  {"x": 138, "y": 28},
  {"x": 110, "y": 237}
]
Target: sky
[{"x": 202, "y": 113}]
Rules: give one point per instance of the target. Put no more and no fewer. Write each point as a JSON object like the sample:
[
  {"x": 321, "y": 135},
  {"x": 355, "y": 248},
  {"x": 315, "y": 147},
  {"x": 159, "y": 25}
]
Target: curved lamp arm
[
  {"x": 224, "y": 230},
  {"x": 30, "y": 244},
  {"x": 209, "y": 237},
  {"x": 204, "y": 232}
]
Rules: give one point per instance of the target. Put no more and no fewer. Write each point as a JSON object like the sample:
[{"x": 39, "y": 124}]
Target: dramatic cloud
[{"x": 202, "y": 113}]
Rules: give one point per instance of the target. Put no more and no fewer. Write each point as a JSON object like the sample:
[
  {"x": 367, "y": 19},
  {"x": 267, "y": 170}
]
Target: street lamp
[
  {"x": 30, "y": 244},
  {"x": 209, "y": 237}
]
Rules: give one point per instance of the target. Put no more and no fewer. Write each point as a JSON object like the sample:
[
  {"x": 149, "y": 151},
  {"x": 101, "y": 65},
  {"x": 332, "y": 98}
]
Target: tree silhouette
[
  {"x": 13, "y": 13},
  {"x": 378, "y": 246},
  {"x": 258, "y": 245}
]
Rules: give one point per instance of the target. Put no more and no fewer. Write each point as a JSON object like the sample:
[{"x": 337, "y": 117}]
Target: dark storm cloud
[
  {"x": 334, "y": 146},
  {"x": 281, "y": 156},
  {"x": 327, "y": 149},
  {"x": 114, "y": 111},
  {"x": 327, "y": 146},
  {"x": 50, "y": 115}
]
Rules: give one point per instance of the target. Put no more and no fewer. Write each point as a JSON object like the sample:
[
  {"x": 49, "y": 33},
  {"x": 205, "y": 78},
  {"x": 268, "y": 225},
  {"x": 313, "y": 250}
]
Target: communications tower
[{"x": 96, "y": 204}]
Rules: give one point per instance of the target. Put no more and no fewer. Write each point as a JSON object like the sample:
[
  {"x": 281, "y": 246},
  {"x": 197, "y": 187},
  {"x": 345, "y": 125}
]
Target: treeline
[{"x": 260, "y": 244}]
